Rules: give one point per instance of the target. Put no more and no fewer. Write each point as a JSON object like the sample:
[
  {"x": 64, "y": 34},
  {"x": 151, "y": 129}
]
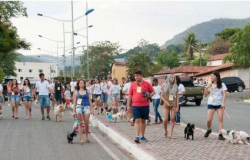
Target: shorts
[
  {"x": 115, "y": 95},
  {"x": 95, "y": 96},
  {"x": 27, "y": 98},
  {"x": 104, "y": 97},
  {"x": 44, "y": 101},
  {"x": 15, "y": 98},
  {"x": 82, "y": 109},
  {"x": 9, "y": 95},
  {"x": 58, "y": 97},
  {"x": 140, "y": 112},
  {"x": 213, "y": 107},
  {"x": 67, "y": 101},
  {"x": 1, "y": 99}
]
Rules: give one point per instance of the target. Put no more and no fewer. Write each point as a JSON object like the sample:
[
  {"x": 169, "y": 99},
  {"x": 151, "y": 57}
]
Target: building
[
  {"x": 32, "y": 70},
  {"x": 119, "y": 70},
  {"x": 216, "y": 60}
]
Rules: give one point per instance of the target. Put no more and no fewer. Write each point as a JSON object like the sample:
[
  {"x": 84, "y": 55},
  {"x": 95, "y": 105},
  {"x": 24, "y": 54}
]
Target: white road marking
[{"x": 102, "y": 144}]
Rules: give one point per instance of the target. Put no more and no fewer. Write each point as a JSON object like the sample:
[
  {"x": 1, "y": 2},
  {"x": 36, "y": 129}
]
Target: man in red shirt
[{"x": 140, "y": 91}]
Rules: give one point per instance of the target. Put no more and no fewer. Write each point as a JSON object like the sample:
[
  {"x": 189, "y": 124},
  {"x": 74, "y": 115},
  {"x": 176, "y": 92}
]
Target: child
[{"x": 67, "y": 97}]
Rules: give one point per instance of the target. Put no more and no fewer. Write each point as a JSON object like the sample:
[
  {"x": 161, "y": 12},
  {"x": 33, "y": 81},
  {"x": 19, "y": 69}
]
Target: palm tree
[{"x": 190, "y": 44}]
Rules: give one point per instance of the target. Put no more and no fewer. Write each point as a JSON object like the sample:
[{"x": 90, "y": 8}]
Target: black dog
[
  {"x": 189, "y": 131},
  {"x": 71, "y": 136}
]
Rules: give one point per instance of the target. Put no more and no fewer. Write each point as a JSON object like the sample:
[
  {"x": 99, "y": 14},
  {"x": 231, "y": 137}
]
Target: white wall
[
  {"x": 244, "y": 74},
  {"x": 35, "y": 67},
  {"x": 215, "y": 63}
]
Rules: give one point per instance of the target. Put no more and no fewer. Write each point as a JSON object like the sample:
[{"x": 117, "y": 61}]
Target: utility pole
[
  {"x": 200, "y": 51},
  {"x": 64, "y": 58},
  {"x": 73, "y": 47},
  {"x": 87, "y": 37}
]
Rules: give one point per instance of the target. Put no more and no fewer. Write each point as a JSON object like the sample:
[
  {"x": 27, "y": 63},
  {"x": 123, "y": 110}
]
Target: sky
[{"x": 123, "y": 22}]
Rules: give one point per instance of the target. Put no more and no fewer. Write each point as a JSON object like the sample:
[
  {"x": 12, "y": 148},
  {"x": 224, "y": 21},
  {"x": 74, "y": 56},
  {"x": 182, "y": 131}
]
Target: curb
[
  {"x": 247, "y": 101},
  {"x": 139, "y": 151}
]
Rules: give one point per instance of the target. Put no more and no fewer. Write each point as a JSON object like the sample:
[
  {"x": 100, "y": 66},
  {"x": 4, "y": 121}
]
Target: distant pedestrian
[
  {"x": 115, "y": 89},
  {"x": 67, "y": 96},
  {"x": 156, "y": 100},
  {"x": 15, "y": 98},
  {"x": 170, "y": 97},
  {"x": 58, "y": 90},
  {"x": 181, "y": 92},
  {"x": 1, "y": 100},
  {"x": 20, "y": 84},
  {"x": 104, "y": 96},
  {"x": 73, "y": 86},
  {"x": 140, "y": 92},
  {"x": 216, "y": 92},
  {"x": 97, "y": 91},
  {"x": 43, "y": 89},
  {"x": 9, "y": 84},
  {"x": 27, "y": 97}
]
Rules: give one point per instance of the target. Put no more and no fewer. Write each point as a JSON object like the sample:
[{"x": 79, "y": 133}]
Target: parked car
[
  {"x": 234, "y": 84},
  {"x": 193, "y": 93}
]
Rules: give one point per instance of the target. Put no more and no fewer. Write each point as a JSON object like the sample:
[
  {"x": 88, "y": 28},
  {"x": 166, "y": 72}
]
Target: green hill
[{"x": 206, "y": 31}]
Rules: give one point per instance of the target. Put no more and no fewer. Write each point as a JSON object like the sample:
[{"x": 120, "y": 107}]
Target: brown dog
[{"x": 58, "y": 112}]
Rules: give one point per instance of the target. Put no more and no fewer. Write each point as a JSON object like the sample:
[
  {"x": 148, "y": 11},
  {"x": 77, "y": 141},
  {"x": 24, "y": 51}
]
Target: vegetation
[{"x": 190, "y": 44}]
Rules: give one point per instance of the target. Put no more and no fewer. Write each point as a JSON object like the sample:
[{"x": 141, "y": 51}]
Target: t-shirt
[
  {"x": 216, "y": 95},
  {"x": 136, "y": 92},
  {"x": 67, "y": 94},
  {"x": 20, "y": 84},
  {"x": 58, "y": 87},
  {"x": 181, "y": 89},
  {"x": 126, "y": 88},
  {"x": 109, "y": 85},
  {"x": 1, "y": 90},
  {"x": 97, "y": 89},
  {"x": 43, "y": 87},
  {"x": 105, "y": 87},
  {"x": 157, "y": 90},
  {"x": 72, "y": 86},
  {"x": 115, "y": 88}
]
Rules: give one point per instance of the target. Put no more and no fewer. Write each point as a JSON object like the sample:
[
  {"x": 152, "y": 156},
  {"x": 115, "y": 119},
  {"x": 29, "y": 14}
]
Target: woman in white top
[
  {"x": 216, "y": 92},
  {"x": 27, "y": 97},
  {"x": 115, "y": 89},
  {"x": 97, "y": 92},
  {"x": 181, "y": 92},
  {"x": 156, "y": 100}
]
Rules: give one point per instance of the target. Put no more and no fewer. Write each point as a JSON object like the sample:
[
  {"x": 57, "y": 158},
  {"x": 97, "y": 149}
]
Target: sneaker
[
  {"x": 207, "y": 133},
  {"x": 143, "y": 139},
  {"x": 221, "y": 137},
  {"x": 137, "y": 140},
  {"x": 48, "y": 117},
  {"x": 43, "y": 118}
]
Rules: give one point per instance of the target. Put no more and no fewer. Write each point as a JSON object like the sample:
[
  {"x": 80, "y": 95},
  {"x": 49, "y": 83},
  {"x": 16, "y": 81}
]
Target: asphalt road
[
  {"x": 35, "y": 139},
  {"x": 238, "y": 111}
]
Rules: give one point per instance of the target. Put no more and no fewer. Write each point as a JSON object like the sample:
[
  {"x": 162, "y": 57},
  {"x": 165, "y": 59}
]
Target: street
[
  {"x": 235, "y": 107},
  {"x": 36, "y": 139}
]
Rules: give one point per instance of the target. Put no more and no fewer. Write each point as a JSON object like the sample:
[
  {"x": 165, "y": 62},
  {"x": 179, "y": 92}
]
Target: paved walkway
[{"x": 180, "y": 148}]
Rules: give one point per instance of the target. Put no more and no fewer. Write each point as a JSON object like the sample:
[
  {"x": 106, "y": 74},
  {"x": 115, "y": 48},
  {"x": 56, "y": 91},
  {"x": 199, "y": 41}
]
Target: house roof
[
  {"x": 120, "y": 63},
  {"x": 184, "y": 69},
  {"x": 218, "y": 57},
  {"x": 221, "y": 67}
]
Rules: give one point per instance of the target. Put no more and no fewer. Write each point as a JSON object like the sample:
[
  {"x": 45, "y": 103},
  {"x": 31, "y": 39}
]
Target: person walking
[
  {"x": 20, "y": 84},
  {"x": 67, "y": 96},
  {"x": 43, "y": 89},
  {"x": 181, "y": 92},
  {"x": 115, "y": 89},
  {"x": 170, "y": 97},
  {"x": 15, "y": 98},
  {"x": 27, "y": 97},
  {"x": 58, "y": 90},
  {"x": 72, "y": 86},
  {"x": 1, "y": 100},
  {"x": 140, "y": 92},
  {"x": 104, "y": 96},
  {"x": 97, "y": 91},
  {"x": 82, "y": 108},
  {"x": 125, "y": 91},
  {"x": 156, "y": 101},
  {"x": 9, "y": 84},
  {"x": 216, "y": 92}
]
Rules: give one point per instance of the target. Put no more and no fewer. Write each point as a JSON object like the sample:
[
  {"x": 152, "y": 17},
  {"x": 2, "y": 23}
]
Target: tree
[
  {"x": 168, "y": 60},
  {"x": 101, "y": 56},
  {"x": 190, "y": 42},
  {"x": 218, "y": 46},
  {"x": 227, "y": 33},
  {"x": 140, "y": 61},
  {"x": 197, "y": 61},
  {"x": 2, "y": 75},
  {"x": 240, "y": 48},
  {"x": 9, "y": 39},
  {"x": 176, "y": 48}
]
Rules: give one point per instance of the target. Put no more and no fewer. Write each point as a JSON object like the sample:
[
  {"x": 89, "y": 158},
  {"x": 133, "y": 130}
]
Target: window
[
  {"x": 40, "y": 71},
  {"x": 30, "y": 70},
  {"x": 19, "y": 70}
]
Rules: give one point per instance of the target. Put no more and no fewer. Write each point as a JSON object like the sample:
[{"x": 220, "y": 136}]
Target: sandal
[
  {"x": 87, "y": 141},
  {"x": 166, "y": 134},
  {"x": 81, "y": 143}
]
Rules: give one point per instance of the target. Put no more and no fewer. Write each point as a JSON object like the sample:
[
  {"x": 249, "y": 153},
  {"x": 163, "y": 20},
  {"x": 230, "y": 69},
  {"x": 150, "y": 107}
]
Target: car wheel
[{"x": 240, "y": 89}]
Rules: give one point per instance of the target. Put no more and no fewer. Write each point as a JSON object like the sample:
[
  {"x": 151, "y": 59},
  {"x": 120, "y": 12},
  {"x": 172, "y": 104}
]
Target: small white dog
[
  {"x": 58, "y": 112},
  {"x": 235, "y": 137}
]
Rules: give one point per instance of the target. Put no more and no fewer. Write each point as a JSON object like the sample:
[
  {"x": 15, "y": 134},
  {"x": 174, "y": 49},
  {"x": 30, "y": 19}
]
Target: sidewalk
[{"x": 158, "y": 147}]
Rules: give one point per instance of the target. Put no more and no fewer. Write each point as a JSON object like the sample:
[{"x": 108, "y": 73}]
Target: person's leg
[
  {"x": 137, "y": 127},
  {"x": 42, "y": 105},
  {"x": 157, "y": 112},
  {"x": 47, "y": 105},
  {"x": 172, "y": 119},
  {"x": 117, "y": 102},
  {"x": 13, "y": 106},
  {"x": 154, "y": 106},
  {"x": 16, "y": 108},
  {"x": 220, "y": 113},
  {"x": 210, "y": 114},
  {"x": 143, "y": 127},
  {"x": 79, "y": 116},
  {"x": 29, "y": 107},
  {"x": 178, "y": 115},
  {"x": 165, "y": 119},
  {"x": 26, "y": 107},
  {"x": 86, "y": 124}
]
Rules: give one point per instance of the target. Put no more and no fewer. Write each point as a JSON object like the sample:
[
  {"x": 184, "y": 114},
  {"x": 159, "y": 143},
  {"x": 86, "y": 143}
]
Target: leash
[{"x": 234, "y": 127}]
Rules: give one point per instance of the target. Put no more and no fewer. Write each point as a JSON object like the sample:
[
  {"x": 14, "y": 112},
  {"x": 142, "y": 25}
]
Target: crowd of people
[{"x": 99, "y": 96}]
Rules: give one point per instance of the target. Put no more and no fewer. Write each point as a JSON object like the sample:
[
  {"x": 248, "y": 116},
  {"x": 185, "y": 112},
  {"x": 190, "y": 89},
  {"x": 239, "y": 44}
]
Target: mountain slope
[{"x": 206, "y": 31}]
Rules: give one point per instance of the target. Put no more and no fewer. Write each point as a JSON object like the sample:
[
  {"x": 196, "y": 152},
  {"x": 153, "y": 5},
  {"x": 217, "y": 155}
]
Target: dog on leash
[
  {"x": 58, "y": 112},
  {"x": 189, "y": 131},
  {"x": 123, "y": 114},
  {"x": 70, "y": 136},
  {"x": 235, "y": 137}
]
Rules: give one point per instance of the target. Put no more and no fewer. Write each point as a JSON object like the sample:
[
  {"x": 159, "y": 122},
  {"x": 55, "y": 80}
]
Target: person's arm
[
  {"x": 177, "y": 100},
  {"x": 183, "y": 90},
  {"x": 207, "y": 89},
  {"x": 74, "y": 103},
  {"x": 90, "y": 104},
  {"x": 151, "y": 90},
  {"x": 224, "y": 95}
]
